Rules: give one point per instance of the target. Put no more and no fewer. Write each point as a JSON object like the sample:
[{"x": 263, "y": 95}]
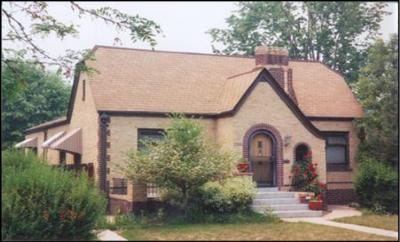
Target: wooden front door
[{"x": 261, "y": 158}]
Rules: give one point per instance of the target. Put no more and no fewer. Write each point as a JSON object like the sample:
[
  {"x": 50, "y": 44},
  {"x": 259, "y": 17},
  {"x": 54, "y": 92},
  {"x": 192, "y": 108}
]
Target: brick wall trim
[
  {"x": 277, "y": 148},
  {"x": 102, "y": 168}
]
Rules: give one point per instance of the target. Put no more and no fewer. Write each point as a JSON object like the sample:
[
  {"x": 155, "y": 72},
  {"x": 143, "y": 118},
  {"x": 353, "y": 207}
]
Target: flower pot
[
  {"x": 315, "y": 205},
  {"x": 303, "y": 199},
  {"x": 243, "y": 167}
]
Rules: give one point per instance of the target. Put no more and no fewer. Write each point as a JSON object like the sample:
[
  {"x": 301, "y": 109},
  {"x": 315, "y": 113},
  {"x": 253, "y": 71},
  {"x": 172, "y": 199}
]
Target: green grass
[
  {"x": 389, "y": 222},
  {"x": 246, "y": 231}
]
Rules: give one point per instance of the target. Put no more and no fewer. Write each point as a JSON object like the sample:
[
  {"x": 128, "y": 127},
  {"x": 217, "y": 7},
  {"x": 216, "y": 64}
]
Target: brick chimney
[
  {"x": 268, "y": 55},
  {"x": 276, "y": 61}
]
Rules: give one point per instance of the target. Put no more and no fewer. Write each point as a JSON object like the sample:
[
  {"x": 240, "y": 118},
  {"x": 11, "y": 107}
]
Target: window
[
  {"x": 83, "y": 90},
  {"x": 300, "y": 152},
  {"x": 337, "y": 149},
  {"x": 148, "y": 134},
  {"x": 62, "y": 157},
  {"x": 77, "y": 159},
  {"x": 120, "y": 186}
]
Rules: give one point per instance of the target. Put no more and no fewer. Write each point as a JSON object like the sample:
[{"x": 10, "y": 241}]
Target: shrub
[
  {"x": 43, "y": 202},
  {"x": 229, "y": 196},
  {"x": 304, "y": 173},
  {"x": 376, "y": 186},
  {"x": 181, "y": 162}
]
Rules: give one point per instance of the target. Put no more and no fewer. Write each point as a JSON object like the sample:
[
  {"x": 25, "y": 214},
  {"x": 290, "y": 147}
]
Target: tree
[
  {"x": 378, "y": 91},
  {"x": 336, "y": 33},
  {"x": 42, "y": 24},
  {"x": 181, "y": 162},
  {"x": 43, "y": 97}
]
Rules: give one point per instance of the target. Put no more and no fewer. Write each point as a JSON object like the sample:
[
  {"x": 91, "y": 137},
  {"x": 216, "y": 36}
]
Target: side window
[
  {"x": 301, "y": 152},
  {"x": 337, "y": 149},
  {"x": 119, "y": 186},
  {"x": 83, "y": 90},
  {"x": 62, "y": 157},
  {"x": 148, "y": 134}
]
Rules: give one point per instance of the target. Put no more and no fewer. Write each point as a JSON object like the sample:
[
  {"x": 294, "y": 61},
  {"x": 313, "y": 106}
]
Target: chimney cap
[{"x": 274, "y": 50}]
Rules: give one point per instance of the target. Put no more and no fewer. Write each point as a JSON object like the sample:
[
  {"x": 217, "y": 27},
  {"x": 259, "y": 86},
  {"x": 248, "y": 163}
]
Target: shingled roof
[{"x": 162, "y": 81}]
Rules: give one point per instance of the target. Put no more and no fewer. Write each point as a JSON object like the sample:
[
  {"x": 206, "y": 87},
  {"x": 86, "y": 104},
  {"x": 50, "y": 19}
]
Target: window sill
[{"x": 338, "y": 168}]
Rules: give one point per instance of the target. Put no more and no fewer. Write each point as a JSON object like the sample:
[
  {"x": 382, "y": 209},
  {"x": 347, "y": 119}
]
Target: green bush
[
  {"x": 43, "y": 202},
  {"x": 229, "y": 196},
  {"x": 376, "y": 185}
]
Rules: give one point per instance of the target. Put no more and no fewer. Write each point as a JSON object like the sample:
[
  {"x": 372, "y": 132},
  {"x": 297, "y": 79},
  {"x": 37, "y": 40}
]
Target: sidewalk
[
  {"x": 108, "y": 235},
  {"x": 340, "y": 212}
]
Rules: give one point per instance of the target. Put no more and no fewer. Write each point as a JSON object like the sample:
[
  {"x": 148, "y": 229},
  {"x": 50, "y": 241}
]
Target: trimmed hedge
[
  {"x": 229, "y": 196},
  {"x": 40, "y": 202},
  {"x": 376, "y": 185}
]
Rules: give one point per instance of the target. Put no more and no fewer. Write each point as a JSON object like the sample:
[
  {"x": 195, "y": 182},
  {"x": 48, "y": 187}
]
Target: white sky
[{"x": 183, "y": 23}]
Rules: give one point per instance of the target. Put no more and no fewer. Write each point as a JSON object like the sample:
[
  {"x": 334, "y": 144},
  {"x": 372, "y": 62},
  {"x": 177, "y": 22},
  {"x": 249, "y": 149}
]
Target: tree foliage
[
  {"x": 181, "y": 162},
  {"x": 42, "y": 97},
  {"x": 378, "y": 91},
  {"x": 336, "y": 33},
  {"x": 42, "y": 24}
]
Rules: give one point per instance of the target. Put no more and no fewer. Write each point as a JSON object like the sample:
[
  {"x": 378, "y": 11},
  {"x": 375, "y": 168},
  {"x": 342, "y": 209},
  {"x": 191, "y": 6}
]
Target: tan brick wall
[
  {"x": 85, "y": 116},
  {"x": 342, "y": 176},
  {"x": 123, "y": 138},
  {"x": 264, "y": 105}
]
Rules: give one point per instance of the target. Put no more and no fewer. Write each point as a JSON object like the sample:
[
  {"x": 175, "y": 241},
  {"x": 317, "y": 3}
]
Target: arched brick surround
[{"x": 278, "y": 147}]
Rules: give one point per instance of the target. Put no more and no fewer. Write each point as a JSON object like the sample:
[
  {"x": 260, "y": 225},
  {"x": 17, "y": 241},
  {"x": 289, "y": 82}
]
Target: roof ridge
[
  {"x": 172, "y": 52},
  {"x": 193, "y": 53}
]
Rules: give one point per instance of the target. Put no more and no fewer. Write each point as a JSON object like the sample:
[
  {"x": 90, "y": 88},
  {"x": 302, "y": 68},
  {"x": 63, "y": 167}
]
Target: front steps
[{"x": 282, "y": 204}]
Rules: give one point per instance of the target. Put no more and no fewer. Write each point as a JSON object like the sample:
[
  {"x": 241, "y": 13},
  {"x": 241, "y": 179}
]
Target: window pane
[
  {"x": 337, "y": 140},
  {"x": 145, "y": 135},
  {"x": 336, "y": 154}
]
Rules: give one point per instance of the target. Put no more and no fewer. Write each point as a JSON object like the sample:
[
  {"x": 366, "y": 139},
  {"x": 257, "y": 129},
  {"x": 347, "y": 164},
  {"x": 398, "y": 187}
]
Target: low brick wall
[{"x": 341, "y": 196}]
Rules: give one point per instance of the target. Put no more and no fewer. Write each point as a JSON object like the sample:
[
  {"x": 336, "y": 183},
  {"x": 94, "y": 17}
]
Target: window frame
[
  {"x": 338, "y": 167},
  {"x": 122, "y": 188},
  {"x": 143, "y": 131}
]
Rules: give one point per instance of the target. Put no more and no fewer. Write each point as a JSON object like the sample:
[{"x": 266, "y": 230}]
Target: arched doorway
[{"x": 262, "y": 158}]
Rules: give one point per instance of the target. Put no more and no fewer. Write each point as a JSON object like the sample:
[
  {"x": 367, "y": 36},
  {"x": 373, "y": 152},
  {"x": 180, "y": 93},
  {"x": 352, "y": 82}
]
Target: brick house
[{"x": 267, "y": 108}]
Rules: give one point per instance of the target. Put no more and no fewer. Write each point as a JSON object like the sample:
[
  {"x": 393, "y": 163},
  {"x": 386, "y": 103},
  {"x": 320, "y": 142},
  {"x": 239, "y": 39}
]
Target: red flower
[
  {"x": 62, "y": 215},
  {"x": 308, "y": 155}
]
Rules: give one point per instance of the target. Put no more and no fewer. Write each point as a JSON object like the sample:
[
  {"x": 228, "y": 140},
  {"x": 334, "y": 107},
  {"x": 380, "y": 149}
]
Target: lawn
[
  {"x": 247, "y": 231},
  {"x": 389, "y": 222}
]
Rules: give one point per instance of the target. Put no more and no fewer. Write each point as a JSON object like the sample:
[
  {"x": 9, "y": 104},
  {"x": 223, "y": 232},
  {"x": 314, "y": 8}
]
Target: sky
[{"x": 184, "y": 25}]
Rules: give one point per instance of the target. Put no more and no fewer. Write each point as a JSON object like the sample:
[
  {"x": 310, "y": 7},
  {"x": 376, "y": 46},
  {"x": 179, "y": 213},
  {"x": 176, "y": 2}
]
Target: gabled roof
[{"x": 160, "y": 81}]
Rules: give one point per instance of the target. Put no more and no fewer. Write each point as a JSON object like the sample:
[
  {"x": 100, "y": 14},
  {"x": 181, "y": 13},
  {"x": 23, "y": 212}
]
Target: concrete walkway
[
  {"x": 340, "y": 212},
  {"x": 108, "y": 235}
]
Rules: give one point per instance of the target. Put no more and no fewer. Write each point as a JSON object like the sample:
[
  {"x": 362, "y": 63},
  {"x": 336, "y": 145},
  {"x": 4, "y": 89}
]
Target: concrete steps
[{"x": 282, "y": 204}]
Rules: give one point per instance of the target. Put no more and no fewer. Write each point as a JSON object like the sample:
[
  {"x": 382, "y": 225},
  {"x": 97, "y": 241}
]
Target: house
[{"x": 267, "y": 108}]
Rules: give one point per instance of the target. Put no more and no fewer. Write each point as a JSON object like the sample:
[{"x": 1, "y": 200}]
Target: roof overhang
[
  {"x": 28, "y": 143},
  {"x": 52, "y": 139}
]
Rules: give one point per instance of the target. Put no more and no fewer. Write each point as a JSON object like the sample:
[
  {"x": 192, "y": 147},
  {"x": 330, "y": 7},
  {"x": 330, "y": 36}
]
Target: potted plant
[
  {"x": 305, "y": 197},
  {"x": 315, "y": 203},
  {"x": 243, "y": 165}
]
